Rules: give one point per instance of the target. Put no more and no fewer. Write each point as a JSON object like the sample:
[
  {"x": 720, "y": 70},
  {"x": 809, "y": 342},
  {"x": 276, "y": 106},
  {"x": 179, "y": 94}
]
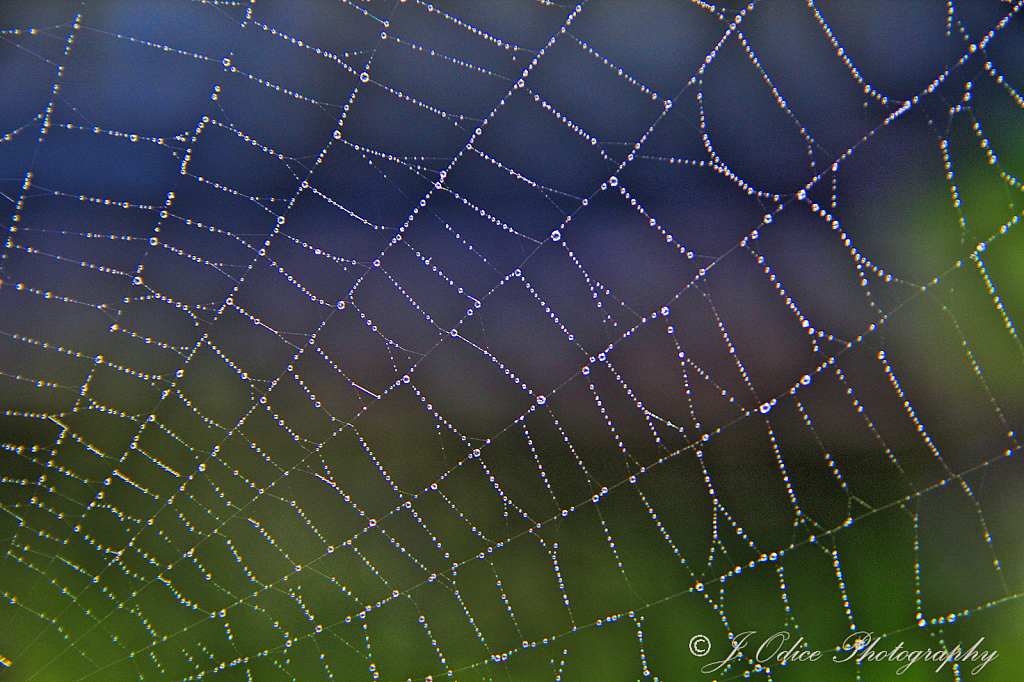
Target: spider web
[{"x": 507, "y": 340}]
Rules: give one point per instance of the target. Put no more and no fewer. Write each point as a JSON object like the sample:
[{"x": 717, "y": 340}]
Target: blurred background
[{"x": 508, "y": 340}]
